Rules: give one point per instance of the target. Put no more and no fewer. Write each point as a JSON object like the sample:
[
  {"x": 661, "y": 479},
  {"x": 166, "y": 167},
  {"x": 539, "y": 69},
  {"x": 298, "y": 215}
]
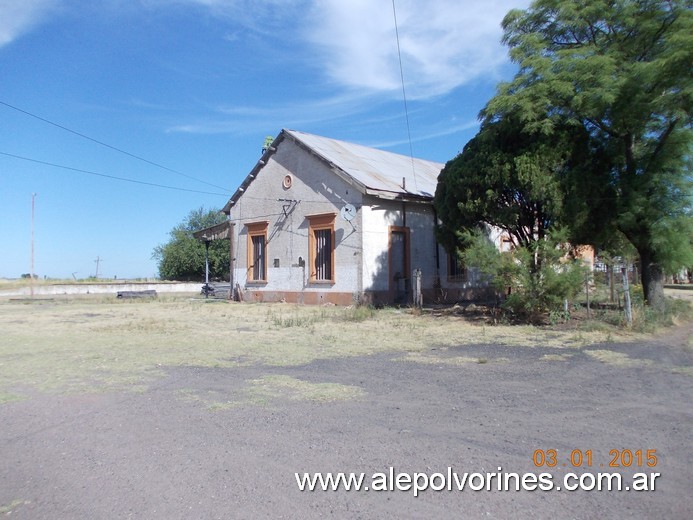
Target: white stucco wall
[
  {"x": 362, "y": 257},
  {"x": 378, "y": 216},
  {"x": 315, "y": 190}
]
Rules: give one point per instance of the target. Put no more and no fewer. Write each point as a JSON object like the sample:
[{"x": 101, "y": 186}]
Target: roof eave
[
  {"x": 399, "y": 196},
  {"x": 271, "y": 149}
]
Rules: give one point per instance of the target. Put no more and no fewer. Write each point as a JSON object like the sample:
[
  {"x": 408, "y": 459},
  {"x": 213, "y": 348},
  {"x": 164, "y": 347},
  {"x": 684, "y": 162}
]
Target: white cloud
[
  {"x": 244, "y": 119},
  {"x": 444, "y": 43},
  {"x": 262, "y": 16},
  {"x": 19, "y": 16}
]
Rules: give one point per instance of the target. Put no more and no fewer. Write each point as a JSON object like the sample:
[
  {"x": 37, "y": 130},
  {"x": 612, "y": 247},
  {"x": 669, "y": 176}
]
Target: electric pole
[
  {"x": 31, "y": 273},
  {"x": 98, "y": 261}
]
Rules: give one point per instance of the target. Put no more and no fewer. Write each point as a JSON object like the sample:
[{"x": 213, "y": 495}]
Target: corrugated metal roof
[{"x": 378, "y": 170}]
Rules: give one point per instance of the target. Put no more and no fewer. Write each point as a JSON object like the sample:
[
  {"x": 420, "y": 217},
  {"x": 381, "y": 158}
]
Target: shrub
[{"x": 536, "y": 279}]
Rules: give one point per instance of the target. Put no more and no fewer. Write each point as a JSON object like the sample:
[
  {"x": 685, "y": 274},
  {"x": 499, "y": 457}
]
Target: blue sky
[{"x": 195, "y": 86}]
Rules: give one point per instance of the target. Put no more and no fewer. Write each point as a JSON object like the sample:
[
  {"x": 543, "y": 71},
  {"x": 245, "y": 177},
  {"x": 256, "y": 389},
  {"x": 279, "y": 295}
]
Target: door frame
[{"x": 397, "y": 292}]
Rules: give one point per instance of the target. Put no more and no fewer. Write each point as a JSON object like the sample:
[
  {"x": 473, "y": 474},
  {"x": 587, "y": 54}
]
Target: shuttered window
[
  {"x": 259, "y": 257},
  {"x": 321, "y": 245},
  {"x": 323, "y": 254},
  {"x": 257, "y": 252}
]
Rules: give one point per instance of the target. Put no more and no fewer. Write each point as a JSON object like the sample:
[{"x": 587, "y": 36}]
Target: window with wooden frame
[
  {"x": 257, "y": 252},
  {"x": 321, "y": 247},
  {"x": 457, "y": 272}
]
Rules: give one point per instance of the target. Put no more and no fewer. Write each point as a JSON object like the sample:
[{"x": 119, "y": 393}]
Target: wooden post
[
  {"x": 587, "y": 293},
  {"x": 626, "y": 298},
  {"x": 418, "y": 298},
  {"x": 231, "y": 259},
  {"x": 31, "y": 273}
]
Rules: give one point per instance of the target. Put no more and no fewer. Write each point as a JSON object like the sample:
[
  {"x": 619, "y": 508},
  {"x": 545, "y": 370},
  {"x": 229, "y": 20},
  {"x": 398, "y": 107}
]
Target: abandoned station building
[{"x": 319, "y": 220}]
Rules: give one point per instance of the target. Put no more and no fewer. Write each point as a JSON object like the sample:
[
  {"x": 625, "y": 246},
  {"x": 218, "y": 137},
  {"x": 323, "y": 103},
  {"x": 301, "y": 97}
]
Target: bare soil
[{"x": 223, "y": 442}]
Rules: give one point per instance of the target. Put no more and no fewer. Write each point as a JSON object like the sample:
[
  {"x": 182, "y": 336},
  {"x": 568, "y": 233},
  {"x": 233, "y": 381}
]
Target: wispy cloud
[
  {"x": 431, "y": 133},
  {"x": 262, "y": 16},
  {"x": 444, "y": 43},
  {"x": 19, "y": 16},
  {"x": 232, "y": 119}
]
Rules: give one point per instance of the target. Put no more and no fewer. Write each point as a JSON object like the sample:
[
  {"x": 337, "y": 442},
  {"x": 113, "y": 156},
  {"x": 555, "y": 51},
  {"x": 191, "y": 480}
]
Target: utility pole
[
  {"x": 98, "y": 261},
  {"x": 31, "y": 273}
]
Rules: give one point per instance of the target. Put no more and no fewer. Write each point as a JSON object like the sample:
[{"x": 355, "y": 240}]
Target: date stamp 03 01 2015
[{"x": 624, "y": 458}]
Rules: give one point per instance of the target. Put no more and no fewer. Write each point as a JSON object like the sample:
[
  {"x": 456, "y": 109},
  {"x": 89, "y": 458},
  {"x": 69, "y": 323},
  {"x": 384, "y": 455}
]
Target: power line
[
  {"x": 404, "y": 96},
  {"x": 115, "y": 177},
  {"x": 119, "y": 150}
]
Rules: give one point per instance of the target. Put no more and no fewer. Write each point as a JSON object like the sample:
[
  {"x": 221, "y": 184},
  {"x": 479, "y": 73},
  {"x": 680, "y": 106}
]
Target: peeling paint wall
[
  {"x": 363, "y": 252},
  {"x": 314, "y": 190}
]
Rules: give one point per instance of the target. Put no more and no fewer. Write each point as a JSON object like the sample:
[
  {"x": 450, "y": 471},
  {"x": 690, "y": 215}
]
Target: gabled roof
[{"x": 373, "y": 172}]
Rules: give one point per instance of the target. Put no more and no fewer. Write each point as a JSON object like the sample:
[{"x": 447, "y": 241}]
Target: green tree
[
  {"x": 514, "y": 180},
  {"x": 622, "y": 70},
  {"x": 183, "y": 257}
]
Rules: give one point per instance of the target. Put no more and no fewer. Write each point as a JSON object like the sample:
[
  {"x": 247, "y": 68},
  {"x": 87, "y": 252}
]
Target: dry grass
[
  {"x": 12, "y": 506},
  {"x": 268, "y": 389},
  {"x": 88, "y": 345},
  {"x": 686, "y": 371},
  {"x": 617, "y": 358},
  {"x": 556, "y": 357},
  {"x": 429, "y": 359},
  {"x": 274, "y": 387}
]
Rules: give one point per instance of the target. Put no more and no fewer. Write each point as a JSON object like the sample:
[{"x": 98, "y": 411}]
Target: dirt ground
[{"x": 224, "y": 442}]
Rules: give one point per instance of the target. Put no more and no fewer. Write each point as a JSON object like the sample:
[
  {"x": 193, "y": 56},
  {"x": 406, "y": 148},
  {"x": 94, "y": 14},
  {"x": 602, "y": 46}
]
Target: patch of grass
[
  {"x": 273, "y": 387},
  {"x": 85, "y": 345},
  {"x": 686, "y": 371},
  {"x": 418, "y": 357},
  {"x": 8, "y": 398},
  {"x": 213, "y": 401},
  {"x": 597, "y": 325},
  {"x": 360, "y": 313},
  {"x": 556, "y": 357},
  {"x": 9, "y": 508},
  {"x": 617, "y": 358},
  {"x": 648, "y": 320}
]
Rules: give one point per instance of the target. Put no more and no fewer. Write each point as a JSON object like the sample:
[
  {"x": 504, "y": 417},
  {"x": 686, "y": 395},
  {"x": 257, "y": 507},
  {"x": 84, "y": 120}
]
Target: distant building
[{"x": 319, "y": 220}]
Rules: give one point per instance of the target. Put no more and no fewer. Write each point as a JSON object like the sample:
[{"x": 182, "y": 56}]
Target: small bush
[
  {"x": 359, "y": 313},
  {"x": 536, "y": 279},
  {"x": 646, "y": 319}
]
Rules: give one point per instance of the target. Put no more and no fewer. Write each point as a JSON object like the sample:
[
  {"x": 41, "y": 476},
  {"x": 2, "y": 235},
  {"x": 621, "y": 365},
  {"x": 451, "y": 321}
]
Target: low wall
[{"x": 102, "y": 288}]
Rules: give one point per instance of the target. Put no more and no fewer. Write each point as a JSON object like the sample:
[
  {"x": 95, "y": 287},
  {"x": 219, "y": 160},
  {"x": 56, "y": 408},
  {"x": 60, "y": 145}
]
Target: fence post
[
  {"x": 418, "y": 298},
  {"x": 626, "y": 298}
]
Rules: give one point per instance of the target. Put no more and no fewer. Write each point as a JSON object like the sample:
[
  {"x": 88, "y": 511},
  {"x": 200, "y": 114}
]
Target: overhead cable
[
  {"x": 115, "y": 177},
  {"x": 119, "y": 150}
]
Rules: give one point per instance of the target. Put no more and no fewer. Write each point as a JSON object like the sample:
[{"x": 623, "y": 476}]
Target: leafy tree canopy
[
  {"x": 621, "y": 69},
  {"x": 518, "y": 181},
  {"x": 183, "y": 257}
]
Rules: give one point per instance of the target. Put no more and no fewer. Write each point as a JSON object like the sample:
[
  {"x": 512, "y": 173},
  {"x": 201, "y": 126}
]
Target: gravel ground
[{"x": 165, "y": 453}]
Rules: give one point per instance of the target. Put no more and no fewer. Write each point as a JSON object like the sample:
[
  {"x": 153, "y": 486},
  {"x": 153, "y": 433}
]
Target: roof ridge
[{"x": 408, "y": 157}]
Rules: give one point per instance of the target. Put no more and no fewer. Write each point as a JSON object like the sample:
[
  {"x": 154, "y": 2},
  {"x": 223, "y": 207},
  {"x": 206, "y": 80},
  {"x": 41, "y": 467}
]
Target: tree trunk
[{"x": 652, "y": 280}]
